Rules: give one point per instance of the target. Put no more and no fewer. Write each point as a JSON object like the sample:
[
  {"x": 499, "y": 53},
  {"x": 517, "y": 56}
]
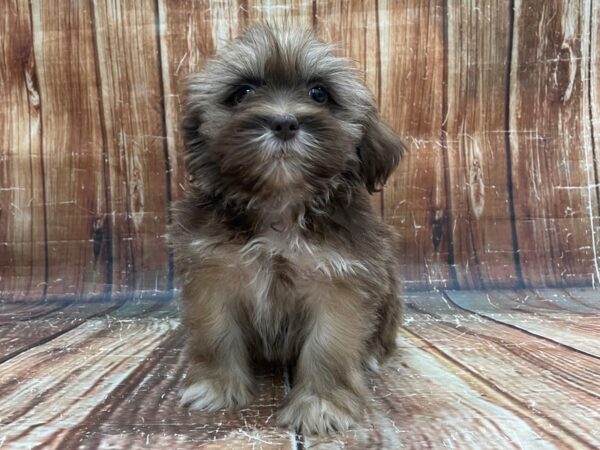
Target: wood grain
[
  {"x": 24, "y": 325},
  {"x": 459, "y": 380},
  {"x": 536, "y": 375},
  {"x": 553, "y": 315},
  {"x": 72, "y": 143},
  {"x": 478, "y": 36},
  {"x": 412, "y": 71},
  {"x": 500, "y": 107},
  {"x": 42, "y": 401},
  {"x": 551, "y": 169},
  {"x": 26, "y": 329},
  {"x": 591, "y": 126},
  {"x": 22, "y": 211},
  {"x": 14, "y": 310},
  {"x": 286, "y": 13},
  {"x": 135, "y": 146}
]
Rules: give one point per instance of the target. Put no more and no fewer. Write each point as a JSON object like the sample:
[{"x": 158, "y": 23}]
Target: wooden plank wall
[{"x": 499, "y": 102}]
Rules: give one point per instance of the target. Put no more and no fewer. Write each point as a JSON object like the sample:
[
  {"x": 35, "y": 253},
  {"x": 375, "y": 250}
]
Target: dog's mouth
[
  {"x": 282, "y": 155},
  {"x": 275, "y": 149}
]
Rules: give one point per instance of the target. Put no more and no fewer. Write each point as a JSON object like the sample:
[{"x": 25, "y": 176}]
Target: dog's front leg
[
  {"x": 219, "y": 375},
  {"x": 328, "y": 393}
]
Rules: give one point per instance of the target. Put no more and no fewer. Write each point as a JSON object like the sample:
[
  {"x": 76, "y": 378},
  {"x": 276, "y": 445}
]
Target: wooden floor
[{"x": 500, "y": 369}]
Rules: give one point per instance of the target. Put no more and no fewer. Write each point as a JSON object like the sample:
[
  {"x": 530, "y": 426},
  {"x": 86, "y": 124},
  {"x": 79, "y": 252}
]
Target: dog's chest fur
[
  {"x": 274, "y": 273},
  {"x": 283, "y": 258},
  {"x": 278, "y": 270}
]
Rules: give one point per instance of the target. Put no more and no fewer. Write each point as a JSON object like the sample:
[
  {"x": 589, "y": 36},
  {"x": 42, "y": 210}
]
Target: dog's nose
[{"x": 284, "y": 126}]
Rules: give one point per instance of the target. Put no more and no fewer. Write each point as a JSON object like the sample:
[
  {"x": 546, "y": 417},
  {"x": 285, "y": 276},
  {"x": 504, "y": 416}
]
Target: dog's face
[{"x": 276, "y": 111}]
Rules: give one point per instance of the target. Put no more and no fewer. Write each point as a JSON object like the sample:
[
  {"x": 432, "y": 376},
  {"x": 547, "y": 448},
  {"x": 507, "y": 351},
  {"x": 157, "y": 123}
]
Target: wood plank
[
  {"x": 532, "y": 301},
  {"x": 554, "y": 103},
  {"x": 591, "y": 126},
  {"x": 551, "y": 314},
  {"x": 132, "y": 116},
  {"x": 478, "y": 37},
  {"x": 556, "y": 389},
  {"x": 458, "y": 380},
  {"x": 22, "y": 220},
  {"x": 285, "y": 13},
  {"x": 421, "y": 400},
  {"x": 27, "y": 326},
  {"x": 585, "y": 298},
  {"x": 19, "y": 336},
  {"x": 411, "y": 42},
  {"x": 75, "y": 189},
  {"x": 144, "y": 412},
  {"x": 551, "y": 169},
  {"x": 21, "y": 311},
  {"x": 353, "y": 26},
  {"x": 51, "y": 388}
]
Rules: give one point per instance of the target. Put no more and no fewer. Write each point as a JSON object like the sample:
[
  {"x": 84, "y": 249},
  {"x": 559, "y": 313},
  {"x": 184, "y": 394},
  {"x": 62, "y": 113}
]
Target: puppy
[{"x": 278, "y": 252}]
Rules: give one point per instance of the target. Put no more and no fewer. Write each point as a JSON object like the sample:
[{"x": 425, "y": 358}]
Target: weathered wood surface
[
  {"x": 19, "y": 335},
  {"x": 556, "y": 209},
  {"x": 290, "y": 13},
  {"x": 555, "y": 388},
  {"x": 412, "y": 79},
  {"x": 459, "y": 380},
  {"x": 591, "y": 126},
  {"x": 479, "y": 191},
  {"x": 22, "y": 210},
  {"x": 26, "y": 325},
  {"x": 562, "y": 317},
  {"x": 71, "y": 373},
  {"x": 134, "y": 142},
  {"x": 75, "y": 189},
  {"x": 499, "y": 107},
  {"x": 114, "y": 380}
]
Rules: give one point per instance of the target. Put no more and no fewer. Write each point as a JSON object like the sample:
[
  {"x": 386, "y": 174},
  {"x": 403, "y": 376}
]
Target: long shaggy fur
[{"x": 279, "y": 254}]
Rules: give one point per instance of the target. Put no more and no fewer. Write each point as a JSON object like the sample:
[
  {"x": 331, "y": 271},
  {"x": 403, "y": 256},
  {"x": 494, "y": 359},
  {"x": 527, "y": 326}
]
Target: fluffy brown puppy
[{"x": 279, "y": 254}]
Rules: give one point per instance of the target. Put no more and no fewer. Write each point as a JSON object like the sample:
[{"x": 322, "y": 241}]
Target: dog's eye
[
  {"x": 318, "y": 94},
  {"x": 241, "y": 93}
]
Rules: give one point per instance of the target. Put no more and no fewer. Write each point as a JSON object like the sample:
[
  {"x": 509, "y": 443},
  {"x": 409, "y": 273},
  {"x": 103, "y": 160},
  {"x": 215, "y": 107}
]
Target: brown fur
[{"x": 278, "y": 252}]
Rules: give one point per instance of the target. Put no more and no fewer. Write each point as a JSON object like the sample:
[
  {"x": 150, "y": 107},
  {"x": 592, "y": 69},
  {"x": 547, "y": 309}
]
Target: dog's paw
[
  {"x": 313, "y": 414},
  {"x": 212, "y": 395}
]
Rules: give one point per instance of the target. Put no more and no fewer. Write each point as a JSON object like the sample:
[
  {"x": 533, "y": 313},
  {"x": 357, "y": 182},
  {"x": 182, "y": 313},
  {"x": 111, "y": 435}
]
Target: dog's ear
[
  {"x": 195, "y": 142},
  {"x": 191, "y": 113},
  {"x": 379, "y": 151},
  {"x": 190, "y": 124}
]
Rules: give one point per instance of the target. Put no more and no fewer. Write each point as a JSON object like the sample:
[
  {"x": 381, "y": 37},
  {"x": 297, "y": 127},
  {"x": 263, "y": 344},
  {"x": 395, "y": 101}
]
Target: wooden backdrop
[{"x": 498, "y": 100}]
